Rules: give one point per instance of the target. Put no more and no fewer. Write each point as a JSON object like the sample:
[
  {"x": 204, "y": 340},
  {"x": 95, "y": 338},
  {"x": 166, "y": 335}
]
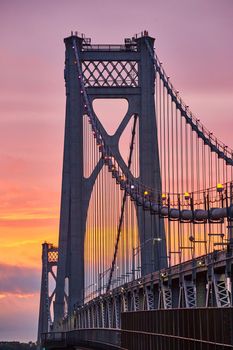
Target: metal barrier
[
  {"x": 53, "y": 340},
  {"x": 98, "y": 338},
  {"x": 178, "y": 329},
  {"x": 134, "y": 340}
]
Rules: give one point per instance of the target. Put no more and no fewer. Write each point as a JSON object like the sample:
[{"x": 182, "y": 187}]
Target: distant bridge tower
[
  {"x": 116, "y": 82},
  {"x": 47, "y": 290}
]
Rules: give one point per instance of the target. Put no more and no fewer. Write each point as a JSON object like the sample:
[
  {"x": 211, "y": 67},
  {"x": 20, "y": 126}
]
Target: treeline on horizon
[{"x": 15, "y": 345}]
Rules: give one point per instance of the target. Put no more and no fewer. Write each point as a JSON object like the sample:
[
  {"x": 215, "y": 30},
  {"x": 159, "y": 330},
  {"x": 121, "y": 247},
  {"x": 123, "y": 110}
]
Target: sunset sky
[{"x": 194, "y": 42}]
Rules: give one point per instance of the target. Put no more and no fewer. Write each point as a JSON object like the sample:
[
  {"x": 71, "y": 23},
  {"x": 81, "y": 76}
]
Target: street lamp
[
  {"x": 86, "y": 297},
  {"x": 100, "y": 278},
  {"x": 136, "y": 251}
]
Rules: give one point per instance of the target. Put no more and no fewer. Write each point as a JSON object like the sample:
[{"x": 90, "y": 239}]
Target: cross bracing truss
[
  {"x": 149, "y": 298},
  {"x": 110, "y": 73},
  {"x": 189, "y": 293},
  {"x": 166, "y": 296},
  {"x": 222, "y": 293}
]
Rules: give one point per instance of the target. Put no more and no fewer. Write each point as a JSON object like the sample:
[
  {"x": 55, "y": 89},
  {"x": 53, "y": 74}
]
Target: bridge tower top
[{"x": 130, "y": 44}]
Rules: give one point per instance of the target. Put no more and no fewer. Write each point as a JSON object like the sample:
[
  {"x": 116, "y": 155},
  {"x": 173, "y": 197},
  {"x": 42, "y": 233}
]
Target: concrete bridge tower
[{"x": 118, "y": 82}]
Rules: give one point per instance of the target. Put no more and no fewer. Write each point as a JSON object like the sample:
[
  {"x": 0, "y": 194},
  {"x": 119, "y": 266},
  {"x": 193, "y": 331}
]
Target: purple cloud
[{"x": 19, "y": 280}]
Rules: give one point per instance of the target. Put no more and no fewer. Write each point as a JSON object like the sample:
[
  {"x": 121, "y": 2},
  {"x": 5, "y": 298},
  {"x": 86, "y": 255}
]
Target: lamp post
[
  {"x": 137, "y": 249},
  {"x": 100, "y": 278},
  {"x": 91, "y": 293}
]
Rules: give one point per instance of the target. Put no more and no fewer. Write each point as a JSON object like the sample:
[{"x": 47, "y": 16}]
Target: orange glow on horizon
[{"x": 17, "y": 295}]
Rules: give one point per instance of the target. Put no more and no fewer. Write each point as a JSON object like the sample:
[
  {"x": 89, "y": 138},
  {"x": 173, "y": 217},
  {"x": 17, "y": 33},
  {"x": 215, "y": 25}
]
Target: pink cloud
[{"x": 15, "y": 307}]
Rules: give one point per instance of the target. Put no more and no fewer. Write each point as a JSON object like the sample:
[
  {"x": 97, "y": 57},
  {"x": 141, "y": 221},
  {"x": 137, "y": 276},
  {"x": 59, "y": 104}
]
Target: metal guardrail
[
  {"x": 178, "y": 329},
  {"x": 106, "y": 339},
  {"x": 134, "y": 340},
  {"x": 109, "y": 48},
  {"x": 53, "y": 336}
]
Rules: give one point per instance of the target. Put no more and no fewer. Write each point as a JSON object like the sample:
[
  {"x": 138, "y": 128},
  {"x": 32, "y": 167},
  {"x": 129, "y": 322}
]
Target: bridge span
[{"x": 145, "y": 253}]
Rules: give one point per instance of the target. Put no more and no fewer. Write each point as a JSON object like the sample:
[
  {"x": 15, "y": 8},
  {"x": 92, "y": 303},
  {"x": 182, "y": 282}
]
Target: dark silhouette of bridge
[{"x": 144, "y": 259}]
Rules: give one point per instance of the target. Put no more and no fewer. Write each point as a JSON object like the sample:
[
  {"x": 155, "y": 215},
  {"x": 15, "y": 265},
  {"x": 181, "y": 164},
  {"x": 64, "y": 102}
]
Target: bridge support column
[
  {"x": 151, "y": 254},
  {"x": 72, "y": 226}
]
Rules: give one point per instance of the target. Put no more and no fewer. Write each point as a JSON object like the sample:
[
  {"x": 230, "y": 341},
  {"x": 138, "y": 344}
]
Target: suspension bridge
[{"x": 144, "y": 259}]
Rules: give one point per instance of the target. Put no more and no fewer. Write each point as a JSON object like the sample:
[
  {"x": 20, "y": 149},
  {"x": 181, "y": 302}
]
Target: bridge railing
[
  {"x": 106, "y": 339},
  {"x": 53, "y": 339},
  {"x": 198, "y": 325},
  {"x": 152, "y": 330},
  {"x": 134, "y": 340}
]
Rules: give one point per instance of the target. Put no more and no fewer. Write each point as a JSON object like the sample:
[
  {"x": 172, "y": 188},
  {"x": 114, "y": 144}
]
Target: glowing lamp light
[
  {"x": 157, "y": 239},
  {"x": 186, "y": 195},
  {"x": 163, "y": 274},
  {"x": 201, "y": 263},
  {"x": 132, "y": 187},
  {"x": 219, "y": 188},
  {"x": 164, "y": 196},
  {"x": 146, "y": 193}
]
